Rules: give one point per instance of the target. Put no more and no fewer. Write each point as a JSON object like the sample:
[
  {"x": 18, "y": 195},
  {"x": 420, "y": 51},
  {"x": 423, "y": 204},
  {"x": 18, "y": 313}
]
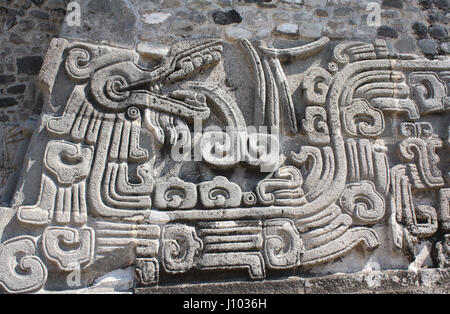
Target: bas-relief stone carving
[{"x": 94, "y": 185}]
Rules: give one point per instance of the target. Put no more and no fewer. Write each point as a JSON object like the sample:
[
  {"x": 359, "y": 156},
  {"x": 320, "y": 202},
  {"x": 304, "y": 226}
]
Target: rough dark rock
[
  {"x": 48, "y": 28},
  {"x": 442, "y": 4},
  {"x": 265, "y": 3},
  {"x": 29, "y": 65},
  {"x": 420, "y": 29},
  {"x": 321, "y": 13},
  {"x": 39, "y": 14},
  {"x": 38, "y": 2},
  {"x": 426, "y": 4},
  {"x": 60, "y": 12},
  {"x": 16, "y": 39},
  {"x": 226, "y": 18},
  {"x": 437, "y": 31},
  {"x": 387, "y": 31},
  {"x": 343, "y": 11},
  {"x": 437, "y": 16},
  {"x": 7, "y": 102},
  {"x": 25, "y": 25},
  {"x": 26, "y": 5},
  {"x": 393, "y": 3},
  {"x": 11, "y": 22},
  {"x": 12, "y": 12},
  {"x": 7, "y": 79},
  {"x": 16, "y": 89}
]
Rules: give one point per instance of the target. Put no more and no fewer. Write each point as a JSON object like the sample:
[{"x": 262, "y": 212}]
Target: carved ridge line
[
  {"x": 298, "y": 52},
  {"x": 260, "y": 84}
]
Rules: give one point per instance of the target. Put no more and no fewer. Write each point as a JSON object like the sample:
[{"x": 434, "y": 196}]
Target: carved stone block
[{"x": 245, "y": 158}]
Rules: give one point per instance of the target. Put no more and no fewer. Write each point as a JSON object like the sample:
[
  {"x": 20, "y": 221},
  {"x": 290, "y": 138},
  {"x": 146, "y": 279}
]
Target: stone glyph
[{"x": 110, "y": 192}]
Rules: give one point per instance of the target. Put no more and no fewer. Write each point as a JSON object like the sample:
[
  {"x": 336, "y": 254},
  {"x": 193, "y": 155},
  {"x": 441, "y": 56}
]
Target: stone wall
[
  {"x": 352, "y": 175},
  {"x": 402, "y": 23},
  {"x": 26, "y": 29}
]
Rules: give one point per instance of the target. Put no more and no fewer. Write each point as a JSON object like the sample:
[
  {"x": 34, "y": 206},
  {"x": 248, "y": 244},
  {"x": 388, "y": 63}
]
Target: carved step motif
[{"x": 101, "y": 191}]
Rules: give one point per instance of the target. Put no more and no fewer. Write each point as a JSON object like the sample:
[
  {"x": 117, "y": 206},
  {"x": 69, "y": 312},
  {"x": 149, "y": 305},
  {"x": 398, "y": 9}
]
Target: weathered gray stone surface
[
  {"x": 426, "y": 281},
  {"x": 226, "y": 147}
]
